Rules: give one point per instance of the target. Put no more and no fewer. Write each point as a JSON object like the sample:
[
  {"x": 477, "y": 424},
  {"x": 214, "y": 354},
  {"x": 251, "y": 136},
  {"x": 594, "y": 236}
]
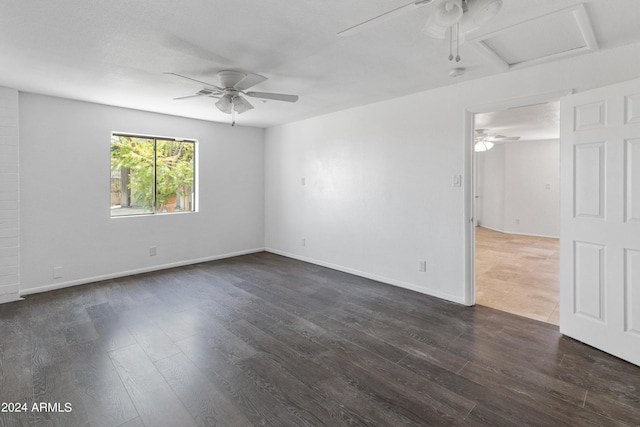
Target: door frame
[{"x": 470, "y": 176}]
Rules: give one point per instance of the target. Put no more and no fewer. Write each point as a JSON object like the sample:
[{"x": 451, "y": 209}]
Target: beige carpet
[{"x": 518, "y": 274}]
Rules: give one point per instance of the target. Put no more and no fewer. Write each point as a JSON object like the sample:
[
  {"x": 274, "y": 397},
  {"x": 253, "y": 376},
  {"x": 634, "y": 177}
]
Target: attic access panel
[{"x": 550, "y": 37}]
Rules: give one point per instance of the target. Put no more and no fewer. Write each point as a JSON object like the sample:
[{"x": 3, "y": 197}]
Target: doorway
[{"x": 516, "y": 199}]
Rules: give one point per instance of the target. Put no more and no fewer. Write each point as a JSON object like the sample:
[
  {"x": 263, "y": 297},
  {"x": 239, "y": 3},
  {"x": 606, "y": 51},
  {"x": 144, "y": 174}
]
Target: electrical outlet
[
  {"x": 303, "y": 181},
  {"x": 57, "y": 272},
  {"x": 153, "y": 251},
  {"x": 303, "y": 242},
  {"x": 517, "y": 220},
  {"x": 548, "y": 186}
]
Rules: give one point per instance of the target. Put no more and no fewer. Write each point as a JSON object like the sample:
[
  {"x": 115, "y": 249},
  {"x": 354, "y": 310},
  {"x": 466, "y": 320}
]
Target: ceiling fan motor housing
[
  {"x": 468, "y": 14},
  {"x": 230, "y": 78},
  {"x": 448, "y": 12}
]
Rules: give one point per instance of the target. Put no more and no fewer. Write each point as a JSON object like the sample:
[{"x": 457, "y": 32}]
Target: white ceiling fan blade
[
  {"x": 381, "y": 18},
  {"x": 274, "y": 96},
  {"x": 248, "y": 81},
  {"x": 501, "y": 138},
  {"x": 205, "y": 91},
  {"x": 188, "y": 96},
  {"x": 194, "y": 80}
]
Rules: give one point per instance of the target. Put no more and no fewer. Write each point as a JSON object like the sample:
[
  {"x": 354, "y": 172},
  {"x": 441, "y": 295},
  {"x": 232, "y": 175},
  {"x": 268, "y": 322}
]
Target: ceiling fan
[
  {"x": 449, "y": 18},
  {"x": 485, "y": 140},
  {"x": 234, "y": 84}
]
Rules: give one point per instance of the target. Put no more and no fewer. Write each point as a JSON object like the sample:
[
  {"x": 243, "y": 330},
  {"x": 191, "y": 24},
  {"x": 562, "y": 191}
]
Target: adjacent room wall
[
  {"x": 378, "y": 198},
  {"x": 490, "y": 188},
  {"x": 64, "y": 184},
  {"x": 532, "y": 188},
  {"x": 519, "y": 188}
]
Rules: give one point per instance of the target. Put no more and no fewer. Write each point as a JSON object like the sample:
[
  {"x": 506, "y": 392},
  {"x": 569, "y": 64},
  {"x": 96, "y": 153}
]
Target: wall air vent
[{"x": 547, "y": 38}]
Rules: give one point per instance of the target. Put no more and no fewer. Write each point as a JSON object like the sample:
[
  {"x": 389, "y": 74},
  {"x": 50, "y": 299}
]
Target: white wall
[
  {"x": 378, "y": 196},
  {"x": 64, "y": 184},
  {"x": 514, "y": 197},
  {"x": 9, "y": 196},
  {"x": 491, "y": 187},
  {"x": 531, "y": 208}
]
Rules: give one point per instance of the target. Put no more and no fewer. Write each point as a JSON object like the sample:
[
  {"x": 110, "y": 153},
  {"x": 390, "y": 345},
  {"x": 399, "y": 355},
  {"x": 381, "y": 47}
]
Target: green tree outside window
[{"x": 151, "y": 175}]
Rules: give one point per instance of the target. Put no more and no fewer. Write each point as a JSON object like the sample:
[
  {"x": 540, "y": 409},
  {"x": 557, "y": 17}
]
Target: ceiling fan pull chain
[
  {"x": 458, "y": 42},
  {"x": 451, "y": 43}
]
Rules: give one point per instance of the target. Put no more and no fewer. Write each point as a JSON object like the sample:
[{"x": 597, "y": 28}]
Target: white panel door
[{"x": 600, "y": 219}]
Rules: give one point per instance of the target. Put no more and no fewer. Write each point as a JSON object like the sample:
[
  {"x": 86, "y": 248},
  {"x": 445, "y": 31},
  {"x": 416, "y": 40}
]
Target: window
[{"x": 151, "y": 175}]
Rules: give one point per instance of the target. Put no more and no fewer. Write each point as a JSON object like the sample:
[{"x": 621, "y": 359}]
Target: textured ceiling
[
  {"x": 530, "y": 123},
  {"x": 116, "y": 52}
]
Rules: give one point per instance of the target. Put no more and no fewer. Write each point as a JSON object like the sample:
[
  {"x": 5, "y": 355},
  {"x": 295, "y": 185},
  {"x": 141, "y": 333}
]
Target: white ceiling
[
  {"x": 115, "y": 52},
  {"x": 529, "y": 123}
]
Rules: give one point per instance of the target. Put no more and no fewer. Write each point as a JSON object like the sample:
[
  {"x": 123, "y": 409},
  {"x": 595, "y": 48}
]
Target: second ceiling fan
[{"x": 485, "y": 140}]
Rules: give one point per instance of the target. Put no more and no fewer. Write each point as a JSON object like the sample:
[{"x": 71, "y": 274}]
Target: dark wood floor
[{"x": 266, "y": 340}]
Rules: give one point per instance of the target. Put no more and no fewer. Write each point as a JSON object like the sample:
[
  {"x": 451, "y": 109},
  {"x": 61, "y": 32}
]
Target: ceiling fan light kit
[
  {"x": 483, "y": 146},
  {"x": 224, "y": 104},
  {"x": 241, "y": 105}
]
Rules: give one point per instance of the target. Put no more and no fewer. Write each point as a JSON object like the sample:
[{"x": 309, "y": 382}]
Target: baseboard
[
  {"x": 10, "y": 293},
  {"x": 94, "y": 279},
  {"x": 10, "y": 297},
  {"x": 518, "y": 234},
  {"x": 382, "y": 279}
]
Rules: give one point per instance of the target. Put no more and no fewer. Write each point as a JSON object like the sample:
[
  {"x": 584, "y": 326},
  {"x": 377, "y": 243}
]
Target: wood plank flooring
[
  {"x": 263, "y": 340},
  {"x": 518, "y": 274}
]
